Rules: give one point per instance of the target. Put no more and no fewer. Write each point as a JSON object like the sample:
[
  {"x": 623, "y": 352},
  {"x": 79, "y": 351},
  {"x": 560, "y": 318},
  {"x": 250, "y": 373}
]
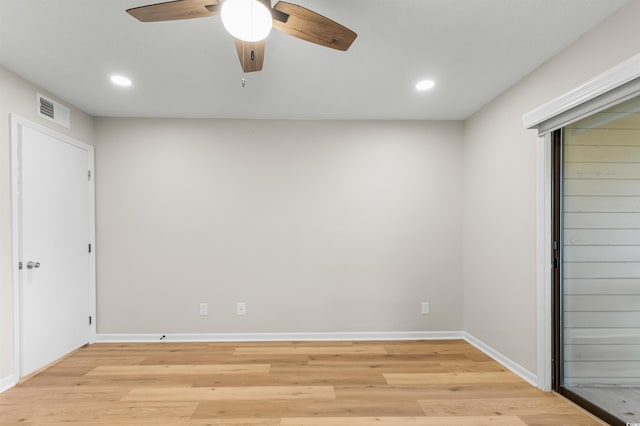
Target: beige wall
[
  {"x": 499, "y": 194},
  {"x": 17, "y": 96},
  {"x": 325, "y": 226}
]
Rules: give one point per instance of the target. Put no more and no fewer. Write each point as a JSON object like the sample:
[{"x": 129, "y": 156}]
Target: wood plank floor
[{"x": 411, "y": 383}]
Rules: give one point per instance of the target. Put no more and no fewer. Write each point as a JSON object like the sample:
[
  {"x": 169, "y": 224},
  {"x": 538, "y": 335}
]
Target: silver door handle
[{"x": 31, "y": 265}]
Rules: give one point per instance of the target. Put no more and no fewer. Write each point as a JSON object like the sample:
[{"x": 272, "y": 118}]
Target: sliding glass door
[{"x": 597, "y": 251}]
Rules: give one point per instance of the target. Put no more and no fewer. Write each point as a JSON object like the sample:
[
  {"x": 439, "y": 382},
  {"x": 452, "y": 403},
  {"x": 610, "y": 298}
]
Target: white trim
[
  {"x": 8, "y": 382},
  {"x": 16, "y": 155},
  {"x": 93, "y": 309},
  {"x": 503, "y": 359},
  {"x": 609, "y": 80},
  {"x": 328, "y": 336},
  {"x": 278, "y": 337},
  {"x": 544, "y": 253},
  {"x": 516, "y": 368},
  {"x": 17, "y": 123}
]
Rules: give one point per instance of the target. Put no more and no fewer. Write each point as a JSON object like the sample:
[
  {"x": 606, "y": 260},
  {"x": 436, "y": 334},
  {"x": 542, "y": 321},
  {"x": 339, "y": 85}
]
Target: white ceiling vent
[{"x": 54, "y": 111}]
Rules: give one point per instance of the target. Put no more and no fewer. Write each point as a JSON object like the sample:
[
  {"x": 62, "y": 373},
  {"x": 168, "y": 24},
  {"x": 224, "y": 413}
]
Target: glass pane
[{"x": 601, "y": 259}]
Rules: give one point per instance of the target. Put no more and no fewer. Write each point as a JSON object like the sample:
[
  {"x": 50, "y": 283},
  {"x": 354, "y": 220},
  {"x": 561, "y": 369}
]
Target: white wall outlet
[
  {"x": 241, "y": 308},
  {"x": 424, "y": 308},
  {"x": 204, "y": 309}
]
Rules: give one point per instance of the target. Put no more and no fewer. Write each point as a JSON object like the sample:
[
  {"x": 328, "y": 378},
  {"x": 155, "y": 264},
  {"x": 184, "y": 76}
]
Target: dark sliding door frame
[
  {"x": 556, "y": 255},
  {"x": 557, "y": 357}
]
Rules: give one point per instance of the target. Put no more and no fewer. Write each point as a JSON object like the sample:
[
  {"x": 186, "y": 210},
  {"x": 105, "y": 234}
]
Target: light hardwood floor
[{"x": 283, "y": 384}]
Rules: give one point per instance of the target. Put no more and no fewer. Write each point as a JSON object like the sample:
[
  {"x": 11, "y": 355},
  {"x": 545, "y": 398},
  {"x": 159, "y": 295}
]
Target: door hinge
[
  {"x": 19, "y": 265},
  {"x": 89, "y": 247},
  {"x": 89, "y": 319},
  {"x": 89, "y": 175}
]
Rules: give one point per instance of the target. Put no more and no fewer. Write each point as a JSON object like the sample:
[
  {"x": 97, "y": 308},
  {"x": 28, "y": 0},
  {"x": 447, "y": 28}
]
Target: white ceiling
[{"x": 473, "y": 49}]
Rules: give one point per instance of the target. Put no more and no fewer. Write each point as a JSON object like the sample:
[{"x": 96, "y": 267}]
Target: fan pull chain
[{"x": 243, "y": 81}]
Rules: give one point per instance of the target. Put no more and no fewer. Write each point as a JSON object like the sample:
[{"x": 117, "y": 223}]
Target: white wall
[
  {"x": 500, "y": 192},
  {"x": 18, "y": 96},
  {"x": 325, "y": 226}
]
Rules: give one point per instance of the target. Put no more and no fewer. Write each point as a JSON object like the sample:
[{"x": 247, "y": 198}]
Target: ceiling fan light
[{"x": 248, "y": 20}]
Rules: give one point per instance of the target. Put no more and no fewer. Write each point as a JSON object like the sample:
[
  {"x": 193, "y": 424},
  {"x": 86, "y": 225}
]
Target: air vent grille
[
  {"x": 54, "y": 111},
  {"x": 46, "y": 108}
]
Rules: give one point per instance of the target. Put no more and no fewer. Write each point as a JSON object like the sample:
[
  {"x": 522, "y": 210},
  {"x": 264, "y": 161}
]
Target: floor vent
[{"x": 54, "y": 111}]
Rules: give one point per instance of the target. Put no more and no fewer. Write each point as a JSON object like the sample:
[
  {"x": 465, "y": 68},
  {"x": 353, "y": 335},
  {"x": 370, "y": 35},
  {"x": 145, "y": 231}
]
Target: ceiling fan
[{"x": 250, "y": 21}]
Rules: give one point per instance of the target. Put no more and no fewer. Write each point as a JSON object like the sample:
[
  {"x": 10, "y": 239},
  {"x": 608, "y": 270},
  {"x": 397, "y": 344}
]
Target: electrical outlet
[
  {"x": 424, "y": 308},
  {"x": 204, "y": 309},
  {"x": 241, "y": 308}
]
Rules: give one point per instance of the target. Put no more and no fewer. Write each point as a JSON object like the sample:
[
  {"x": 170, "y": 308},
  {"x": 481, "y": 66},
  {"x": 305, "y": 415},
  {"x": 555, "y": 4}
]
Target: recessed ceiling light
[
  {"x": 424, "y": 85},
  {"x": 120, "y": 80}
]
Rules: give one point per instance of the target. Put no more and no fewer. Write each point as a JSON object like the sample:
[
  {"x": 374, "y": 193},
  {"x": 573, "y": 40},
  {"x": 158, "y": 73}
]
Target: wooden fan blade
[
  {"x": 173, "y": 10},
  {"x": 311, "y": 26},
  {"x": 251, "y": 54}
]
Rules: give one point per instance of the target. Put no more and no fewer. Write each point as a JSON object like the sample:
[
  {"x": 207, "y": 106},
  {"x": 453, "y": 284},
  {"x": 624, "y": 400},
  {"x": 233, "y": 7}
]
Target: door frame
[
  {"x": 557, "y": 238},
  {"x": 617, "y": 84},
  {"x": 17, "y": 124},
  {"x": 557, "y": 312}
]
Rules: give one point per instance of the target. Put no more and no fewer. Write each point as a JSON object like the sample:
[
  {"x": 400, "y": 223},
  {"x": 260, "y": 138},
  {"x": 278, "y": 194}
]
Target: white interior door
[{"x": 56, "y": 227}]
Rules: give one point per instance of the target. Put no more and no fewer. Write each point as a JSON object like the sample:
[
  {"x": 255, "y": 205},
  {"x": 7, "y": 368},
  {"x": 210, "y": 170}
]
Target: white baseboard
[
  {"x": 8, "y": 382},
  {"x": 328, "y": 336},
  {"x": 502, "y": 359},
  {"x": 273, "y": 337}
]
